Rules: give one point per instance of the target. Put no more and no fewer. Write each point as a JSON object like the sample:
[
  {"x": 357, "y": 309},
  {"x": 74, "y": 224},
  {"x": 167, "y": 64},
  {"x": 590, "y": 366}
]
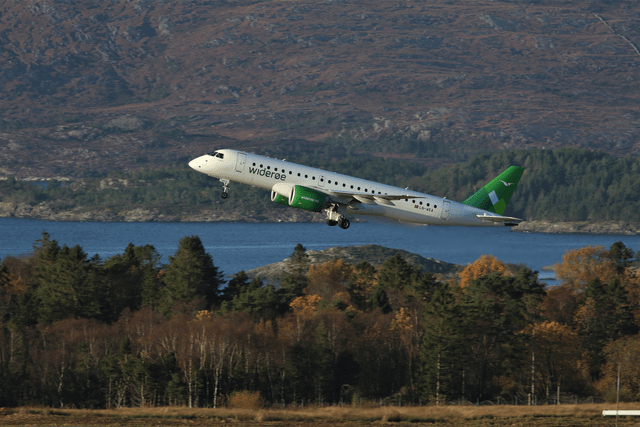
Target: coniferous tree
[
  {"x": 496, "y": 311},
  {"x": 67, "y": 284},
  {"x": 360, "y": 284},
  {"x": 237, "y": 285},
  {"x": 396, "y": 273},
  {"x": 605, "y": 316},
  {"x": 442, "y": 350},
  {"x": 190, "y": 275},
  {"x": 294, "y": 281}
]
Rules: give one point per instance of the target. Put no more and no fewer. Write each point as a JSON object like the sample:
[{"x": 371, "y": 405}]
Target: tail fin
[{"x": 494, "y": 196}]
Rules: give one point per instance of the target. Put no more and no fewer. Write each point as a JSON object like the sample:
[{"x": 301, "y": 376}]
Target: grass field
[{"x": 466, "y": 416}]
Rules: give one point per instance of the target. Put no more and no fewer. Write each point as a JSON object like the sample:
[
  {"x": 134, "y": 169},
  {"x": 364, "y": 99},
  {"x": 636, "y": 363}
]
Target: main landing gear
[
  {"x": 225, "y": 188},
  {"x": 336, "y": 218}
]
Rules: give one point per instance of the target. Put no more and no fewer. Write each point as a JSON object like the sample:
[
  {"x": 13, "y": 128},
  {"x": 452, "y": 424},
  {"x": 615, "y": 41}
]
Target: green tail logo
[{"x": 494, "y": 196}]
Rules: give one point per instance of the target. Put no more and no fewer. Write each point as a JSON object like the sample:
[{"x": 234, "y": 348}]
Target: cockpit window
[{"x": 216, "y": 154}]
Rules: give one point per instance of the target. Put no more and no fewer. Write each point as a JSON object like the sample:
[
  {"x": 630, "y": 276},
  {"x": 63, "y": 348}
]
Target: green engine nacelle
[
  {"x": 307, "y": 199},
  {"x": 279, "y": 199},
  {"x": 298, "y": 196}
]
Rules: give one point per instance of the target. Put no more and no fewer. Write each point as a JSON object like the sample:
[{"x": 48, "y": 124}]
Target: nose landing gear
[{"x": 225, "y": 188}]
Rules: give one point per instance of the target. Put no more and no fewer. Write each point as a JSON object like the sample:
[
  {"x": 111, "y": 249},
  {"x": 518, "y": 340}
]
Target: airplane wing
[
  {"x": 367, "y": 198},
  {"x": 506, "y": 220}
]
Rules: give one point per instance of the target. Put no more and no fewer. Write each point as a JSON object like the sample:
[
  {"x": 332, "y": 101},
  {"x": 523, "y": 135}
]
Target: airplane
[{"x": 341, "y": 196}]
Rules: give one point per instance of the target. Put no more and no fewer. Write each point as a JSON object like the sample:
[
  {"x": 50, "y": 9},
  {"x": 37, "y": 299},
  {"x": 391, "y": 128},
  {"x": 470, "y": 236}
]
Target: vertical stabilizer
[{"x": 494, "y": 196}]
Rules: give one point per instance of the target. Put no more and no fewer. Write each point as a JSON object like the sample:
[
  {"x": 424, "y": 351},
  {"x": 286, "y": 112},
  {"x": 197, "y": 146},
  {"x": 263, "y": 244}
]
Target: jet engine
[{"x": 298, "y": 196}]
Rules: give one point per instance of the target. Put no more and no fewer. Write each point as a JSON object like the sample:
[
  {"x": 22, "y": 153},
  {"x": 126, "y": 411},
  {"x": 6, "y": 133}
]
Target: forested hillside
[
  {"x": 558, "y": 185},
  {"x": 77, "y": 331}
]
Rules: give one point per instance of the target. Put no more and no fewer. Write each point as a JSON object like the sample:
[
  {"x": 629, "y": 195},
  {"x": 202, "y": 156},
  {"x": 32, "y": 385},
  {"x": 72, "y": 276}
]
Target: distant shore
[
  {"x": 44, "y": 212},
  {"x": 586, "y": 227}
]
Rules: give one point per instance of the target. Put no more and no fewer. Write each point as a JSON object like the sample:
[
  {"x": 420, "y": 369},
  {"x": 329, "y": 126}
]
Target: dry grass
[
  {"x": 245, "y": 400},
  {"x": 563, "y": 415}
]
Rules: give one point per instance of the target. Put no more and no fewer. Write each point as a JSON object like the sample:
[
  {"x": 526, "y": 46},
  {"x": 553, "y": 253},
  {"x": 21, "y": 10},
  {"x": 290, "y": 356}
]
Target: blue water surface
[{"x": 243, "y": 246}]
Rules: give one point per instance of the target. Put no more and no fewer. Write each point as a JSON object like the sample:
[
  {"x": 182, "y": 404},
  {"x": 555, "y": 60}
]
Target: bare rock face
[
  {"x": 130, "y": 82},
  {"x": 611, "y": 227},
  {"x": 374, "y": 254},
  {"x": 127, "y": 123}
]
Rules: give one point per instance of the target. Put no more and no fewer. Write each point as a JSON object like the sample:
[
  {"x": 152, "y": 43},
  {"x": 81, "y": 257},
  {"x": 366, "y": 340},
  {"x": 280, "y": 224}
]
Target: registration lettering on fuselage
[{"x": 423, "y": 208}]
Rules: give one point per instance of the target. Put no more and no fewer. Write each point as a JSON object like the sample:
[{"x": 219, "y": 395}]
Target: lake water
[{"x": 240, "y": 246}]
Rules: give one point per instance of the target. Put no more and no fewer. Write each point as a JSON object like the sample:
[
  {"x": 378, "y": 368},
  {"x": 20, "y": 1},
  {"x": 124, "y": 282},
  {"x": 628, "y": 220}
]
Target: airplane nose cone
[{"x": 195, "y": 164}]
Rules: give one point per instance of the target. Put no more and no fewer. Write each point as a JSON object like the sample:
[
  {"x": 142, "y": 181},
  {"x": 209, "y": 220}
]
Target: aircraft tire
[
  {"x": 224, "y": 195},
  {"x": 331, "y": 223},
  {"x": 344, "y": 223}
]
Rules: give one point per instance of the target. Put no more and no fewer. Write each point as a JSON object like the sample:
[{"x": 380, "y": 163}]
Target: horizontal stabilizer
[{"x": 506, "y": 220}]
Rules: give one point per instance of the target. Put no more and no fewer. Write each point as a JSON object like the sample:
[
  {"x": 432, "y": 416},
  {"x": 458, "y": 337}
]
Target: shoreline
[{"x": 45, "y": 213}]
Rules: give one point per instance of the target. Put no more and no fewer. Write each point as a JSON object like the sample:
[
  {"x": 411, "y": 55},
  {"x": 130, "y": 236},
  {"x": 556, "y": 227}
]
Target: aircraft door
[
  {"x": 446, "y": 209},
  {"x": 321, "y": 181},
  {"x": 242, "y": 159}
]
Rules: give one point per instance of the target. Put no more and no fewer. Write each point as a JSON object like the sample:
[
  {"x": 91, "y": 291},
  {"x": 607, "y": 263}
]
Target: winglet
[{"x": 494, "y": 196}]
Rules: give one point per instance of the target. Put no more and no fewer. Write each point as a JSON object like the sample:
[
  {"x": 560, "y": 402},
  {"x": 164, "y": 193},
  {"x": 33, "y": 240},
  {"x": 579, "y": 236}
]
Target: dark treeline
[
  {"x": 77, "y": 331},
  {"x": 558, "y": 185}
]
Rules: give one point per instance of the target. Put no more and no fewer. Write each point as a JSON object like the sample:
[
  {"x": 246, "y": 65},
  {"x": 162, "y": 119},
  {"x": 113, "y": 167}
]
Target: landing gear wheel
[
  {"x": 225, "y": 188},
  {"x": 331, "y": 223},
  {"x": 344, "y": 223}
]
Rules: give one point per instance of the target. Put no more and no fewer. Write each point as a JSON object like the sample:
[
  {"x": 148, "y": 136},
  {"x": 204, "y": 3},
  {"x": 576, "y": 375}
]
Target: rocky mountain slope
[
  {"x": 92, "y": 86},
  {"x": 375, "y": 255}
]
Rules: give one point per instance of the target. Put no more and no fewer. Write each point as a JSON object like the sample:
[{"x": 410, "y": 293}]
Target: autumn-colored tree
[
  {"x": 623, "y": 359},
  {"x": 484, "y": 265},
  {"x": 580, "y": 266},
  {"x": 328, "y": 279},
  {"x": 560, "y": 305},
  {"x": 557, "y": 352},
  {"x": 306, "y": 305}
]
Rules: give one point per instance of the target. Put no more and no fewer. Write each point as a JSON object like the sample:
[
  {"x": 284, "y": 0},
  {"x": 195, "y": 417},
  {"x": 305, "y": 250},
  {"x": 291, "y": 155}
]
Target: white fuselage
[{"x": 264, "y": 172}]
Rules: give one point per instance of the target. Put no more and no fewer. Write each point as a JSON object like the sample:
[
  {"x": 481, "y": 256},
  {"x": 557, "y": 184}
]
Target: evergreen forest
[
  {"x": 81, "y": 332},
  {"x": 558, "y": 185}
]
